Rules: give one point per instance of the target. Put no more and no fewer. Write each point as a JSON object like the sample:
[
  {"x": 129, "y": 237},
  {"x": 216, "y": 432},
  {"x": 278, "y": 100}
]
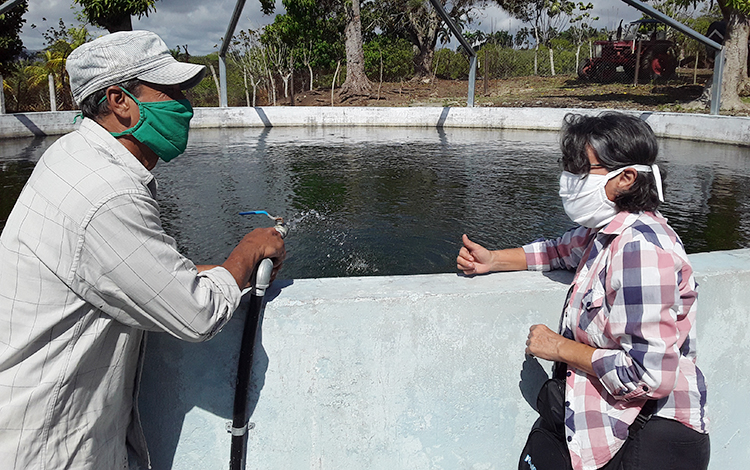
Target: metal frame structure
[
  {"x": 223, "y": 52},
  {"x": 467, "y": 47},
  {"x": 8, "y": 5}
]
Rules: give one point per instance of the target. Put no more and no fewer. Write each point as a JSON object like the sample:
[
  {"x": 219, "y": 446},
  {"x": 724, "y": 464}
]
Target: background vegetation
[{"x": 306, "y": 49}]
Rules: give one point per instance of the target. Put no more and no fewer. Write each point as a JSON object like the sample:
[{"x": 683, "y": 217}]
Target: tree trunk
[
  {"x": 247, "y": 92},
  {"x": 552, "y": 61},
  {"x": 423, "y": 61},
  {"x": 2, "y": 95},
  {"x": 735, "y": 61},
  {"x": 311, "y": 76},
  {"x": 216, "y": 82},
  {"x": 356, "y": 83},
  {"x": 423, "y": 35}
]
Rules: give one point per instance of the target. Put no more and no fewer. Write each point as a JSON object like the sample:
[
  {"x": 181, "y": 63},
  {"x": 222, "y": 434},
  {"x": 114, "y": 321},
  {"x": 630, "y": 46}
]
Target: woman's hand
[
  {"x": 476, "y": 259},
  {"x": 473, "y": 258},
  {"x": 546, "y": 344}
]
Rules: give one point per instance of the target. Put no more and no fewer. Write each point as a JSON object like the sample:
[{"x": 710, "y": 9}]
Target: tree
[
  {"x": 60, "y": 42},
  {"x": 735, "y": 80},
  {"x": 419, "y": 23},
  {"x": 581, "y": 28},
  {"x": 546, "y": 18},
  {"x": 307, "y": 15},
  {"x": 115, "y": 15},
  {"x": 248, "y": 53},
  {"x": 356, "y": 83},
  {"x": 11, "y": 45}
]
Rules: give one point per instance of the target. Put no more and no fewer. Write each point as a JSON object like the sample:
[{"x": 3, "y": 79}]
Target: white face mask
[{"x": 585, "y": 198}]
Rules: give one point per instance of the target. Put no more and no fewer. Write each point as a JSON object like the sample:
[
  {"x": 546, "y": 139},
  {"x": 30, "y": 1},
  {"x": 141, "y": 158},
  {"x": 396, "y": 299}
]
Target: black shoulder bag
[{"x": 545, "y": 447}]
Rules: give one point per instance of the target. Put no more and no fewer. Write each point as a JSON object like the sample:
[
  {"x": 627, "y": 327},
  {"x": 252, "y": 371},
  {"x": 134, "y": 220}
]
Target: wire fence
[{"x": 624, "y": 61}]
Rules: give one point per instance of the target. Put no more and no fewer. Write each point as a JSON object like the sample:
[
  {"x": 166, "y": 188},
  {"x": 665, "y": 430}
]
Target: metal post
[
  {"x": 222, "y": 82},
  {"x": 52, "y": 97},
  {"x": 467, "y": 47},
  {"x": 472, "y": 81},
  {"x": 223, "y": 52},
  {"x": 637, "y": 64},
  {"x": 716, "y": 86}
]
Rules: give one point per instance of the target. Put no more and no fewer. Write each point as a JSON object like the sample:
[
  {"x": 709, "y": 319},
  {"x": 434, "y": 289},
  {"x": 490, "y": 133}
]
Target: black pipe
[{"x": 244, "y": 372}]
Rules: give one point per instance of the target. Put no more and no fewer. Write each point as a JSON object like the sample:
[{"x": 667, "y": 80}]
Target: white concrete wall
[
  {"x": 702, "y": 127},
  {"x": 416, "y": 372}
]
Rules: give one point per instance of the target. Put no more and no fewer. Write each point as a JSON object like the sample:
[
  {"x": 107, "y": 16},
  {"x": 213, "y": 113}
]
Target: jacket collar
[{"x": 92, "y": 131}]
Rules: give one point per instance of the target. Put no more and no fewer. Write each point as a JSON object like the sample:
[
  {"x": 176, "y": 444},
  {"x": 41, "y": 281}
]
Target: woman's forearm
[
  {"x": 511, "y": 259},
  {"x": 576, "y": 355},
  {"x": 546, "y": 344}
]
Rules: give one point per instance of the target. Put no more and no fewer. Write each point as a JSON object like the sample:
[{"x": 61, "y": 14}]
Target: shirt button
[
  {"x": 568, "y": 373},
  {"x": 645, "y": 388},
  {"x": 567, "y": 403},
  {"x": 570, "y": 438}
]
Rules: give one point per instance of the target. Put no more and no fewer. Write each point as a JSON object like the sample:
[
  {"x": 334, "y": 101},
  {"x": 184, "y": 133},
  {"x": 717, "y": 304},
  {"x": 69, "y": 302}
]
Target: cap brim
[{"x": 176, "y": 73}]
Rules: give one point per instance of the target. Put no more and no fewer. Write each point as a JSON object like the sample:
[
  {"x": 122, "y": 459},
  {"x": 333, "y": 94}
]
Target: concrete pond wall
[
  {"x": 702, "y": 127},
  {"x": 409, "y": 372}
]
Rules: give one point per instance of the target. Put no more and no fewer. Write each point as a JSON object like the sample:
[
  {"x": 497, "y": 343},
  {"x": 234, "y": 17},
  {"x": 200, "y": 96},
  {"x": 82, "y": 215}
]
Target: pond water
[{"x": 383, "y": 201}]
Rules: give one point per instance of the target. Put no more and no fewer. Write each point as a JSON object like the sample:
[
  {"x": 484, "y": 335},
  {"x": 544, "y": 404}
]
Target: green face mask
[{"x": 163, "y": 126}]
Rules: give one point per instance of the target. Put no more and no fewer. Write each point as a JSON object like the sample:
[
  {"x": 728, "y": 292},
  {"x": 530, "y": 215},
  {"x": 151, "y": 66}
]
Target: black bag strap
[{"x": 640, "y": 421}]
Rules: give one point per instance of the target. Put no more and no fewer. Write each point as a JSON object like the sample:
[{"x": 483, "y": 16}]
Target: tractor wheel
[
  {"x": 663, "y": 65},
  {"x": 585, "y": 70},
  {"x": 605, "y": 72},
  {"x": 646, "y": 73}
]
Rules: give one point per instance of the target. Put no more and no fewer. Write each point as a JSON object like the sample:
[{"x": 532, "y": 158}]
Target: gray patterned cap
[{"x": 123, "y": 56}]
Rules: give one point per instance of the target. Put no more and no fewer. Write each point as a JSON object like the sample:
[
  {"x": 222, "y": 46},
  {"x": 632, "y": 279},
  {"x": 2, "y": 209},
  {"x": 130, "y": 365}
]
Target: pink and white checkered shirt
[{"x": 634, "y": 299}]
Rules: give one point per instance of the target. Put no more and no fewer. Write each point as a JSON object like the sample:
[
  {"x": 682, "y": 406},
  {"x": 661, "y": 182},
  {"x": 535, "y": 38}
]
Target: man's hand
[{"x": 259, "y": 244}]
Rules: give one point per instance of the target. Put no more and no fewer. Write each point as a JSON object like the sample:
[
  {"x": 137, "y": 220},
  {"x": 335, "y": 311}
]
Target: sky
[{"x": 202, "y": 23}]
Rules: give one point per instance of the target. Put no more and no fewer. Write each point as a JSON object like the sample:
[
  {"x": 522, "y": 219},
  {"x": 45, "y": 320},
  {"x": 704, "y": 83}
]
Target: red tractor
[{"x": 619, "y": 55}]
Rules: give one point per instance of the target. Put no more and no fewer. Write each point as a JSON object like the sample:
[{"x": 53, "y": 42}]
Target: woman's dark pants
[{"x": 663, "y": 444}]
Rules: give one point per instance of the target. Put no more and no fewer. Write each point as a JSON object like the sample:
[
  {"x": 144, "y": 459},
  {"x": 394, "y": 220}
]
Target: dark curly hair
[
  {"x": 618, "y": 140},
  {"x": 93, "y": 107}
]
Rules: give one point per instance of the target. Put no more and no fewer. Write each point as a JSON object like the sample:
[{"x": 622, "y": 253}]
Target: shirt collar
[
  {"x": 622, "y": 221},
  {"x": 93, "y": 131}
]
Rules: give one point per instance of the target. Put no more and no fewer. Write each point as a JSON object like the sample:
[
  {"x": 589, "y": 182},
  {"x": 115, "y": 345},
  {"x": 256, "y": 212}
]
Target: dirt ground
[{"x": 555, "y": 92}]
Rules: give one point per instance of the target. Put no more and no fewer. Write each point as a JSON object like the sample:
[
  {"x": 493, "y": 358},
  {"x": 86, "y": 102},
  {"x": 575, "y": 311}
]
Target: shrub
[{"x": 397, "y": 56}]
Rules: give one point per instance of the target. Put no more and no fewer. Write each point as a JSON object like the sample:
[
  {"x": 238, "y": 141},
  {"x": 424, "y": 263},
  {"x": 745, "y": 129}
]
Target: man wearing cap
[{"x": 86, "y": 268}]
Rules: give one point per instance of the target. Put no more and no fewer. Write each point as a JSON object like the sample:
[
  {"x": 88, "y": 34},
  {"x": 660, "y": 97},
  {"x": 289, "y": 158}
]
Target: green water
[{"x": 374, "y": 201}]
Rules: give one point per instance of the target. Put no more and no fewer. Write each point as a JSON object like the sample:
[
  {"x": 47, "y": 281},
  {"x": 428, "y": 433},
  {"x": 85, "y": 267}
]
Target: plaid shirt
[
  {"x": 85, "y": 268},
  {"x": 634, "y": 300}
]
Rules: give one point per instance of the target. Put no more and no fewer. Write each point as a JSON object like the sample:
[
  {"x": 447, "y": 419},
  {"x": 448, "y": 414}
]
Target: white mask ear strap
[{"x": 657, "y": 179}]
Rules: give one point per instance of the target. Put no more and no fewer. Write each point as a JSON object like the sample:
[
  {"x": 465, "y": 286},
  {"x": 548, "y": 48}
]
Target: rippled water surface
[{"x": 374, "y": 201}]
